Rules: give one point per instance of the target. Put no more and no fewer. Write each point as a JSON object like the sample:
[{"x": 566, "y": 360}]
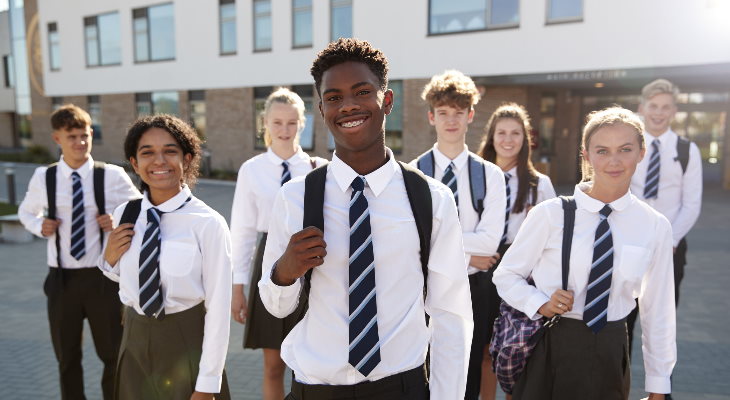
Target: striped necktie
[
  {"x": 508, "y": 209},
  {"x": 449, "y": 180},
  {"x": 364, "y": 349},
  {"x": 599, "y": 280},
  {"x": 78, "y": 225},
  {"x": 651, "y": 187},
  {"x": 285, "y": 174}
]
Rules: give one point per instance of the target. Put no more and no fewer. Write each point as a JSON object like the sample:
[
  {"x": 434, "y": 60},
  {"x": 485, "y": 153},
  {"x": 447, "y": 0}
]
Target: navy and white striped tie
[
  {"x": 651, "y": 186},
  {"x": 78, "y": 225},
  {"x": 508, "y": 209},
  {"x": 285, "y": 174},
  {"x": 449, "y": 180},
  {"x": 150, "y": 289},
  {"x": 599, "y": 280},
  {"x": 364, "y": 349}
]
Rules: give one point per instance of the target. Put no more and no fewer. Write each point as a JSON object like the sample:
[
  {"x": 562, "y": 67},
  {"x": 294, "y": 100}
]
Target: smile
[
  {"x": 160, "y": 172},
  {"x": 352, "y": 124}
]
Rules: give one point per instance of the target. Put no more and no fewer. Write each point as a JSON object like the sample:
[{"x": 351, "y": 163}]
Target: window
[
  {"x": 197, "y": 111},
  {"x": 102, "y": 34},
  {"x": 547, "y": 123},
  {"x": 564, "y": 11},
  {"x": 8, "y": 70},
  {"x": 228, "y": 26},
  {"x": 301, "y": 23},
  {"x": 261, "y": 25},
  {"x": 95, "y": 113},
  {"x": 154, "y": 33},
  {"x": 446, "y": 16},
  {"x": 306, "y": 136},
  {"x": 340, "y": 19},
  {"x": 56, "y": 102},
  {"x": 54, "y": 47},
  {"x": 394, "y": 120},
  {"x": 259, "y": 101},
  {"x": 157, "y": 103}
]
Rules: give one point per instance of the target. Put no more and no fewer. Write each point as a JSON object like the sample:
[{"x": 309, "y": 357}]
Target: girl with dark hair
[
  {"x": 507, "y": 143},
  {"x": 173, "y": 263}
]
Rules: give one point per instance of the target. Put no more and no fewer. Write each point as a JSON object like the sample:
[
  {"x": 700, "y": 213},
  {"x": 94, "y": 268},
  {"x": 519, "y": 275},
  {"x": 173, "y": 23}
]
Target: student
[
  {"x": 508, "y": 144},
  {"x": 621, "y": 249},
  {"x": 79, "y": 189},
  {"x": 259, "y": 179},
  {"x": 172, "y": 257},
  {"x": 365, "y": 335},
  {"x": 451, "y": 98}
]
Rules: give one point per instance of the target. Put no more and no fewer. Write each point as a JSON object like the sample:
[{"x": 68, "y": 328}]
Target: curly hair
[
  {"x": 350, "y": 49},
  {"x": 184, "y": 135},
  {"x": 452, "y": 88}
]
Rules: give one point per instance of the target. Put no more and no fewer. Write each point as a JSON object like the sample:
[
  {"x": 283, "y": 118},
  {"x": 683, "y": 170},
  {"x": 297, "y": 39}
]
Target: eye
[
  {"x": 363, "y": 92},
  {"x": 602, "y": 151},
  {"x": 333, "y": 98},
  {"x": 626, "y": 149}
]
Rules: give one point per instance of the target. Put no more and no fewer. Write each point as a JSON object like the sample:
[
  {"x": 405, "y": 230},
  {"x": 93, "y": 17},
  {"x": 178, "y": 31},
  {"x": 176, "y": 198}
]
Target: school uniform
[
  {"x": 574, "y": 361},
  {"x": 186, "y": 340},
  {"x": 482, "y": 234},
  {"x": 259, "y": 180},
  {"x": 317, "y": 349},
  {"x": 80, "y": 291}
]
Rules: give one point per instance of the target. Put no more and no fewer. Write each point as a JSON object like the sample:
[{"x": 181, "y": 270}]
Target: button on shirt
[
  {"x": 545, "y": 191},
  {"x": 642, "y": 242},
  {"x": 481, "y": 236},
  {"x": 195, "y": 267},
  {"x": 259, "y": 180},
  {"x": 118, "y": 188},
  {"x": 317, "y": 347},
  {"x": 680, "y": 194}
]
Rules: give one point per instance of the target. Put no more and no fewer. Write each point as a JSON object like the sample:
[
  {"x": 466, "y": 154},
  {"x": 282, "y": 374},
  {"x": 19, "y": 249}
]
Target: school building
[{"x": 213, "y": 62}]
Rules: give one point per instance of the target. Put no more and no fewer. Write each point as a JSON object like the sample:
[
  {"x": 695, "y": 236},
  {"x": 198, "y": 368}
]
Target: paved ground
[{"x": 28, "y": 367}]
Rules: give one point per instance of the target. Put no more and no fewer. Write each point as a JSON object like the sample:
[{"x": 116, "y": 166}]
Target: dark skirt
[
  {"x": 264, "y": 330},
  {"x": 159, "y": 359},
  {"x": 571, "y": 362}
]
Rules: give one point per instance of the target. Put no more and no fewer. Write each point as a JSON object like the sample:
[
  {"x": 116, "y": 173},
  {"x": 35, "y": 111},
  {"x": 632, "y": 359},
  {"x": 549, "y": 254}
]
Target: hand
[
  {"x": 560, "y": 302},
  {"x": 105, "y": 222},
  {"x": 49, "y": 226},
  {"x": 119, "y": 241},
  {"x": 483, "y": 262},
  {"x": 202, "y": 396},
  {"x": 305, "y": 251},
  {"x": 239, "y": 308},
  {"x": 655, "y": 396}
]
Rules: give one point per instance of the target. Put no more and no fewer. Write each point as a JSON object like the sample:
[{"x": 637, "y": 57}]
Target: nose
[
  {"x": 349, "y": 104},
  {"x": 159, "y": 158}
]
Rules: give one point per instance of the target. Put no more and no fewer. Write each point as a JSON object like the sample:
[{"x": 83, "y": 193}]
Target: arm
[
  {"x": 691, "y": 202},
  {"x": 119, "y": 190},
  {"x": 448, "y": 302},
  {"x": 35, "y": 202},
  {"x": 243, "y": 227},
  {"x": 658, "y": 323},
  {"x": 484, "y": 241},
  {"x": 118, "y": 243},
  {"x": 215, "y": 243}
]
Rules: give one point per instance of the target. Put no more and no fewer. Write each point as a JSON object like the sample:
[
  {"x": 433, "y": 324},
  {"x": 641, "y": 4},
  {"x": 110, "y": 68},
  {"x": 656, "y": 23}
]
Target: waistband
[
  {"x": 192, "y": 313},
  {"x": 398, "y": 383}
]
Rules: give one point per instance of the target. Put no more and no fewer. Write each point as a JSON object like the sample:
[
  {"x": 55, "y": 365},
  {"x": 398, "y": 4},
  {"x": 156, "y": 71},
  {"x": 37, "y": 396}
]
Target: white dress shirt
[
  {"x": 481, "y": 236},
  {"x": 642, "y": 243},
  {"x": 680, "y": 194},
  {"x": 545, "y": 191},
  {"x": 118, "y": 188},
  {"x": 317, "y": 348},
  {"x": 195, "y": 267},
  {"x": 259, "y": 179}
]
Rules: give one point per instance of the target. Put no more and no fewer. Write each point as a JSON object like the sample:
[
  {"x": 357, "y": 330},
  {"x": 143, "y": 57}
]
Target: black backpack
[
  {"x": 477, "y": 177},
  {"x": 682, "y": 153}
]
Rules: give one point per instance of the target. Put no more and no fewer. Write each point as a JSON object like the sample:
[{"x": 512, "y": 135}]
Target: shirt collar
[
  {"x": 299, "y": 156},
  {"x": 590, "y": 204},
  {"x": 376, "y": 180},
  {"x": 664, "y": 138},
  {"x": 442, "y": 161},
  {"x": 83, "y": 170},
  {"x": 170, "y": 205},
  {"x": 512, "y": 172}
]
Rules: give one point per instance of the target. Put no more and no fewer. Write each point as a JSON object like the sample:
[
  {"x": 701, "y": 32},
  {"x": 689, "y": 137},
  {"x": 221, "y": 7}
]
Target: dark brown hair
[
  {"x": 69, "y": 117},
  {"x": 350, "y": 49}
]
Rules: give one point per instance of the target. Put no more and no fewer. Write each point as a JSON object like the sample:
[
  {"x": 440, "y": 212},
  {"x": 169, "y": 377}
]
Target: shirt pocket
[
  {"x": 177, "y": 259},
  {"x": 633, "y": 263}
]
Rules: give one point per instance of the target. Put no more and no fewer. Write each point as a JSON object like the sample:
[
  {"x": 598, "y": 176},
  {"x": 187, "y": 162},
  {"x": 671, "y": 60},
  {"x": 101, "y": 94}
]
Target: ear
[
  {"x": 471, "y": 116},
  {"x": 186, "y": 161},
  {"x": 56, "y": 137},
  {"x": 584, "y": 153},
  {"x": 641, "y": 109},
  {"x": 431, "y": 118},
  {"x": 133, "y": 161},
  {"x": 642, "y": 153},
  {"x": 321, "y": 112},
  {"x": 388, "y": 100}
]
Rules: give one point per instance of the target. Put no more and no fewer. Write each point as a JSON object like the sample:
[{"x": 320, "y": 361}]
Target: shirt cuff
[
  {"x": 111, "y": 272},
  {"x": 533, "y": 305},
  {"x": 240, "y": 278},
  {"x": 658, "y": 384},
  {"x": 208, "y": 384}
]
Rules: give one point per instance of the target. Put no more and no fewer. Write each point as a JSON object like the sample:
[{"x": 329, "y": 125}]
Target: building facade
[{"x": 213, "y": 62}]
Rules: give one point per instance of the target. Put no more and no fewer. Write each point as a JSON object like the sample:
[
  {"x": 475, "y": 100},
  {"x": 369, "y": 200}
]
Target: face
[
  {"x": 508, "y": 137},
  {"x": 75, "y": 144},
  {"x": 160, "y": 161},
  {"x": 282, "y": 123},
  {"x": 658, "y": 113},
  {"x": 613, "y": 152},
  {"x": 354, "y": 107},
  {"x": 450, "y": 122}
]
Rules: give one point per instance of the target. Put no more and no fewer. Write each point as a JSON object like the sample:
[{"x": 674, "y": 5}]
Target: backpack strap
[
  {"x": 314, "y": 184},
  {"x": 312, "y": 162},
  {"x": 477, "y": 184},
  {"x": 682, "y": 153},
  {"x": 131, "y": 211},
  {"x": 419, "y": 196},
  {"x": 569, "y": 207},
  {"x": 99, "y": 168},
  {"x": 51, "y": 197},
  {"x": 426, "y": 163}
]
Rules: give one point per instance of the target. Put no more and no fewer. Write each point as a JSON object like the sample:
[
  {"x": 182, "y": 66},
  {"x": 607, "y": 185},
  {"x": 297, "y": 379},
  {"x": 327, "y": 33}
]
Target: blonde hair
[
  {"x": 659, "y": 86},
  {"x": 451, "y": 88},
  {"x": 608, "y": 117},
  {"x": 284, "y": 96}
]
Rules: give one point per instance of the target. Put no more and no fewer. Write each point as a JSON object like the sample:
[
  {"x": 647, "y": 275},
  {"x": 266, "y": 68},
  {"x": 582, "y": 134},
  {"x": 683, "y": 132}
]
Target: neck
[
  {"x": 607, "y": 193},
  {"x": 450, "y": 150},
  {"x": 284, "y": 151},
  {"x": 157, "y": 196},
  {"x": 76, "y": 164},
  {"x": 365, "y": 161},
  {"x": 657, "y": 133},
  {"x": 506, "y": 163}
]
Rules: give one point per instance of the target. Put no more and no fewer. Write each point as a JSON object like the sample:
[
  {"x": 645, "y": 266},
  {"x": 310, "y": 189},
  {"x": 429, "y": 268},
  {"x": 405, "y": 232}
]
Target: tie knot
[
  {"x": 75, "y": 175},
  {"x": 507, "y": 176},
  {"x": 655, "y": 144},
  {"x": 285, "y": 164},
  {"x": 358, "y": 184},
  {"x": 153, "y": 215},
  {"x": 605, "y": 211}
]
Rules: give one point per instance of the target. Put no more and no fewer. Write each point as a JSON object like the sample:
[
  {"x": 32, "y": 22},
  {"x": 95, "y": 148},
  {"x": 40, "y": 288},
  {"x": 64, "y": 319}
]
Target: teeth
[
  {"x": 159, "y": 172},
  {"x": 352, "y": 124}
]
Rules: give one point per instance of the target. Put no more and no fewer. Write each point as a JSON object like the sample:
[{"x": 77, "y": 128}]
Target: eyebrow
[
  {"x": 605, "y": 147},
  {"x": 355, "y": 86},
  {"x": 149, "y": 146}
]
